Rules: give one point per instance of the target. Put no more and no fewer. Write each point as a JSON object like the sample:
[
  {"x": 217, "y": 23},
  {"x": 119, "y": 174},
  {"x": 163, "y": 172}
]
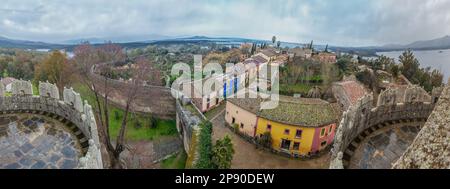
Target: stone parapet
[
  {"x": 361, "y": 116},
  {"x": 188, "y": 121},
  {"x": 71, "y": 108},
  {"x": 431, "y": 148}
]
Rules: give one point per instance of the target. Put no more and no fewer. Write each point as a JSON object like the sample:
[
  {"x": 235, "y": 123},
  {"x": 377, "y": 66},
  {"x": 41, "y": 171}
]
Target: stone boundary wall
[
  {"x": 431, "y": 148},
  {"x": 188, "y": 127},
  {"x": 362, "y": 116},
  {"x": 70, "y": 108},
  {"x": 157, "y": 100}
]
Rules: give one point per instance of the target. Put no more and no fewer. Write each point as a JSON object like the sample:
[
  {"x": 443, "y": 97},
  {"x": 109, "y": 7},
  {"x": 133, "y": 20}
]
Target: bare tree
[
  {"x": 90, "y": 62},
  {"x": 134, "y": 88}
]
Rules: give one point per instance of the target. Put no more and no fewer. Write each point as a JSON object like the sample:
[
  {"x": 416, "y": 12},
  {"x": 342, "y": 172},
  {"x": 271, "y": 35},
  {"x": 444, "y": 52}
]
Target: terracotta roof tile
[{"x": 353, "y": 90}]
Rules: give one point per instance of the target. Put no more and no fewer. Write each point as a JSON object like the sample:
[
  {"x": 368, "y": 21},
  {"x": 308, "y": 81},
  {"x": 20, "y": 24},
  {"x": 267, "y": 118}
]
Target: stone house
[
  {"x": 326, "y": 57},
  {"x": 347, "y": 93},
  {"x": 305, "y": 53}
]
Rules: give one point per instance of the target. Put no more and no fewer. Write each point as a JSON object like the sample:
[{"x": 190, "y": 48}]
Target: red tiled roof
[
  {"x": 269, "y": 52},
  {"x": 353, "y": 90},
  {"x": 259, "y": 59}
]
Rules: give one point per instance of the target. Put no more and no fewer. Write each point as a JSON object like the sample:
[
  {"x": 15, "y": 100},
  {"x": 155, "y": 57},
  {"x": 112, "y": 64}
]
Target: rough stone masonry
[
  {"x": 362, "y": 117},
  {"x": 431, "y": 148},
  {"x": 71, "y": 108}
]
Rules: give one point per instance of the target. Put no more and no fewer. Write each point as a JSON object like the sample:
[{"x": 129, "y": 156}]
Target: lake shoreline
[{"x": 436, "y": 59}]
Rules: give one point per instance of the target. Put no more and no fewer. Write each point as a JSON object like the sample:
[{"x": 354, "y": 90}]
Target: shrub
[
  {"x": 205, "y": 146},
  {"x": 265, "y": 140},
  {"x": 152, "y": 122},
  {"x": 116, "y": 115},
  {"x": 137, "y": 124},
  {"x": 223, "y": 153},
  {"x": 236, "y": 127}
]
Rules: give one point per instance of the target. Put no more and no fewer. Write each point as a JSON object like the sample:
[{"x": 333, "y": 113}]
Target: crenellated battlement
[
  {"x": 70, "y": 108},
  {"x": 392, "y": 105},
  {"x": 430, "y": 149}
]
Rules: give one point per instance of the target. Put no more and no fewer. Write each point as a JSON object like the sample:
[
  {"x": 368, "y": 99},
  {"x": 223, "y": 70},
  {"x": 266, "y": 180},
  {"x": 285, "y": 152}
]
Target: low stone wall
[
  {"x": 364, "y": 118},
  {"x": 431, "y": 148},
  {"x": 70, "y": 108}
]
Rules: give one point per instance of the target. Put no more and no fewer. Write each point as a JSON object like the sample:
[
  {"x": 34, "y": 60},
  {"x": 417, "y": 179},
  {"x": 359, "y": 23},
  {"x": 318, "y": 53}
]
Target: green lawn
[
  {"x": 35, "y": 90},
  {"x": 177, "y": 161},
  {"x": 296, "y": 88},
  {"x": 191, "y": 108},
  {"x": 210, "y": 114},
  {"x": 138, "y": 124}
]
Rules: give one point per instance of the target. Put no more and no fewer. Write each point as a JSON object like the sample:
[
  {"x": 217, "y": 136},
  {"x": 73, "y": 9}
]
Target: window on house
[
  {"x": 286, "y": 131},
  {"x": 323, "y": 143},
  {"x": 217, "y": 100},
  {"x": 330, "y": 129},
  {"x": 242, "y": 125},
  {"x": 233, "y": 120},
  {"x": 285, "y": 144},
  {"x": 322, "y": 132},
  {"x": 269, "y": 127},
  {"x": 298, "y": 134},
  {"x": 296, "y": 146}
]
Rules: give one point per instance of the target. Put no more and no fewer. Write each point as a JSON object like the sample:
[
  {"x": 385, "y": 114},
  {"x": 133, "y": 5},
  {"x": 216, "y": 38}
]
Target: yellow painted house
[
  {"x": 301, "y": 138},
  {"x": 298, "y": 126}
]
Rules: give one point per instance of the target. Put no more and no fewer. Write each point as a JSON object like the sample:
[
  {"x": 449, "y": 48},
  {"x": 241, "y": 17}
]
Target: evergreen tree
[
  {"x": 410, "y": 65},
  {"x": 223, "y": 153}
]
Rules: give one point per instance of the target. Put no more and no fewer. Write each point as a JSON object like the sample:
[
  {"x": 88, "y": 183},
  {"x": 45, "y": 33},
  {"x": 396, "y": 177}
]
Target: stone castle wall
[
  {"x": 359, "y": 118},
  {"x": 431, "y": 148},
  {"x": 70, "y": 108},
  {"x": 2, "y": 90},
  {"x": 156, "y": 100},
  {"x": 188, "y": 127}
]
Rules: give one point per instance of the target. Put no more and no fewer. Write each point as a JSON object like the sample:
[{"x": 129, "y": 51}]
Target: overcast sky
[{"x": 346, "y": 22}]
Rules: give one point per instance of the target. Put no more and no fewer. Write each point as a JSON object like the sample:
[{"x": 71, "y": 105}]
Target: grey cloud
[{"x": 352, "y": 22}]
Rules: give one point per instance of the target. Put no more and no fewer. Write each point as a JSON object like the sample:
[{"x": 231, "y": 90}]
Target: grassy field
[
  {"x": 295, "y": 89},
  {"x": 177, "y": 161},
  {"x": 138, "y": 124},
  {"x": 210, "y": 114}
]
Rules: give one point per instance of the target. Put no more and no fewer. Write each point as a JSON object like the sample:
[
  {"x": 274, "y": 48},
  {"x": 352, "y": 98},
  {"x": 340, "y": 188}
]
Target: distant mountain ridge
[
  {"x": 118, "y": 39},
  {"x": 25, "y": 44},
  {"x": 142, "y": 41},
  {"x": 438, "y": 43}
]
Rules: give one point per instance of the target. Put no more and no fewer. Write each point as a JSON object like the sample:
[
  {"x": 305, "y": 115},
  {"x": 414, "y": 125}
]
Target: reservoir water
[{"x": 436, "y": 59}]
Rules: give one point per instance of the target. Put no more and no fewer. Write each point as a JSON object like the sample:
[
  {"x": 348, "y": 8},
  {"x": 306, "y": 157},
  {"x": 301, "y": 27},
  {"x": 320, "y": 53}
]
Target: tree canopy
[{"x": 223, "y": 153}]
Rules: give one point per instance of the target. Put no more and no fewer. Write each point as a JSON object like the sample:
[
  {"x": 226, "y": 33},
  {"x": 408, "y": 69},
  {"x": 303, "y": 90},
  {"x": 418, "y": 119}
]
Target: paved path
[
  {"x": 30, "y": 141},
  {"x": 383, "y": 147},
  {"x": 248, "y": 157}
]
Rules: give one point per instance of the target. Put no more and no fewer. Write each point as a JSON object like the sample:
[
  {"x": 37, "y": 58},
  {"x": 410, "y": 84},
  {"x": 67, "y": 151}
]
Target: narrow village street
[{"x": 248, "y": 157}]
